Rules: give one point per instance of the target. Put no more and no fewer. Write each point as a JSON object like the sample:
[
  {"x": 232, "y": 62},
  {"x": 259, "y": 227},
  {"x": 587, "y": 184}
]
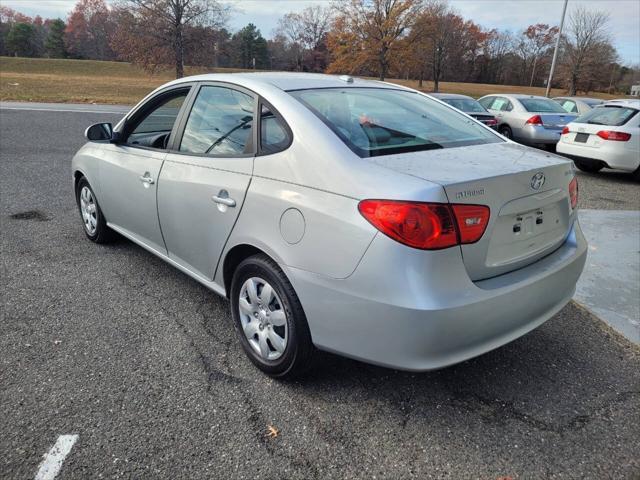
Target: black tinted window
[
  {"x": 273, "y": 133},
  {"x": 219, "y": 123}
]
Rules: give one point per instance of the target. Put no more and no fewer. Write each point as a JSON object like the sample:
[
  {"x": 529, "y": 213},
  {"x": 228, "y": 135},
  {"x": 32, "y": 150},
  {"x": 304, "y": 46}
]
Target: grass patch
[{"x": 90, "y": 81}]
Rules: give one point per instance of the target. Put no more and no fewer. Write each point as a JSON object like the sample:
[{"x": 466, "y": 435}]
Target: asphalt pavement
[{"x": 141, "y": 363}]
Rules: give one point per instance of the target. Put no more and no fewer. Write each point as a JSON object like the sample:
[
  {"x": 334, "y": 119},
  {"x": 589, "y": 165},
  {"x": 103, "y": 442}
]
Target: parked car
[
  {"x": 346, "y": 215},
  {"x": 468, "y": 105},
  {"x": 606, "y": 137},
  {"x": 578, "y": 105},
  {"x": 528, "y": 119}
]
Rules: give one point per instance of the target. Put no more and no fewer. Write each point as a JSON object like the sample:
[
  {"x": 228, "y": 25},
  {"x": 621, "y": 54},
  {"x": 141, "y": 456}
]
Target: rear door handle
[{"x": 223, "y": 199}]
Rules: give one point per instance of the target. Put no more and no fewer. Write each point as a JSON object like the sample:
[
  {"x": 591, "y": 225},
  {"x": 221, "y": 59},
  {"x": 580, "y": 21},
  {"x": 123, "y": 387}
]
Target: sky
[{"x": 514, "y": 15}]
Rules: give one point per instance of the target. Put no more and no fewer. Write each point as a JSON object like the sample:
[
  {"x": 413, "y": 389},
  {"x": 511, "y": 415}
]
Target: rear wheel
[
  {"x": 591, "y": 167},
  {"x": 505, "y": 130},
  {"x": 95, "y": 225},
  {"x": 269, "y": 318},
  {"x": 636, "y": 174}
]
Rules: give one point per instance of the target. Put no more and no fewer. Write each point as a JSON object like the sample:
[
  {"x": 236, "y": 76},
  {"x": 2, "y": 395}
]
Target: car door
[
  {"x": 206, "y": 175},
  {"x": 130, "y": 169}
]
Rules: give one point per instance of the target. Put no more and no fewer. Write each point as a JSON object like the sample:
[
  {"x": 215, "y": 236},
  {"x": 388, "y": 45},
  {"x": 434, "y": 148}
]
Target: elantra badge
[{"x": 537, "y": 181}]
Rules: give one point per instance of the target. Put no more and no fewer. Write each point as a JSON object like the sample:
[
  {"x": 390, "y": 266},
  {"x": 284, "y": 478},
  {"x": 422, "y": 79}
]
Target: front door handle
[
  {"x": 223, "y": 199},
  {"x": 146, "y": 178}
]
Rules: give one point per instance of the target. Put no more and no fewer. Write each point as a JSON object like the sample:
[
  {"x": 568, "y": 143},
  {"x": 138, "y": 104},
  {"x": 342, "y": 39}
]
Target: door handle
[
  {"x": 147, "y": 179},
  {"x": 223, "y": 199}
]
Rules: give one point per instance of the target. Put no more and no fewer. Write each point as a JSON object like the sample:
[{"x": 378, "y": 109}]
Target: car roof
[
  {"x": 288, "y": 80},
  {"x": 450, "y": 95},
  {"x": 582, "y": 99},
  {"x": 624, "y": 102}
]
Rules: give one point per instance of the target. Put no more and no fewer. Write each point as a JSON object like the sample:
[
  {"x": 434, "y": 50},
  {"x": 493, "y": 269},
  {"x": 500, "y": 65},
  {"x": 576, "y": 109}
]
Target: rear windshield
[
  {"x": 382, "y": 121},
  {"x": 609, "y": 115},
  {"x": 465, "y": 104},
  {"x": 541, "y": 105}
]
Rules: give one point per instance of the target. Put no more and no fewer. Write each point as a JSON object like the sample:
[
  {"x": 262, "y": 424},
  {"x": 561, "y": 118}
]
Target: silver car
[
  {"x": 528, "y": 119},
  {"x": 578, "y": 105},
  {"x": 345, "y": 215}
]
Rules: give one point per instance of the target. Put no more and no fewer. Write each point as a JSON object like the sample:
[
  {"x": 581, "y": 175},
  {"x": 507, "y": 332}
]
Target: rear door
[
  {"x": 206, "y": 175},
  {"x": 129, "y": 170}
]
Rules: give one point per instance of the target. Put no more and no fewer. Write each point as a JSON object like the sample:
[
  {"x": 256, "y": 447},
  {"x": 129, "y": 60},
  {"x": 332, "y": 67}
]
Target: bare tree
[
  {"x": 586, "y": 34},
  {"x": 305, "y": 31},
  {"x": 162, "y": 23}
]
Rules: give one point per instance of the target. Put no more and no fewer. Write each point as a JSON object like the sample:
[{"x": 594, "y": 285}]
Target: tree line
[{"x": 425, "y": 40}]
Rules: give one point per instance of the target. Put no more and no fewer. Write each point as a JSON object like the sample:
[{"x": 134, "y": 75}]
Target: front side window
[
  {"x": 154, "y": 127},
  {"x": 609, "y": 115},
  {"x": 381, "y": 121},
  {"x": 541, "y": 105},
  {"x": 220, "y": 123},
  {"x": 273, "y": 133}
]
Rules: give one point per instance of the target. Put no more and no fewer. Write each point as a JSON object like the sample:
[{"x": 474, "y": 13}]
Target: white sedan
[{"x": 606, "y": 137}]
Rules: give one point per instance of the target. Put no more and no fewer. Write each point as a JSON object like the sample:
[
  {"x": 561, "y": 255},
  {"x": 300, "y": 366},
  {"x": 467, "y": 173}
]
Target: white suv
[{"x": 606, "y": 137}]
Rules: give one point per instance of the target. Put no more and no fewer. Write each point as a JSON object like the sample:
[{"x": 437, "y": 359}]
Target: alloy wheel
[{"x": 88, "y": 209}]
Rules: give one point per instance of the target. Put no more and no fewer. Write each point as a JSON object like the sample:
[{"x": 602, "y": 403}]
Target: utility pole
[{"x": 555, "y": 50}]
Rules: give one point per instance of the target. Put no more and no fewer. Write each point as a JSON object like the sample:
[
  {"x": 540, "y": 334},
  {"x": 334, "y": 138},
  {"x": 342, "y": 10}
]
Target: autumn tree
[
  {"x": 367, "y": 33},
  {"x": 535, "y": 43},
  {"x": 89, "y": 30},
  {"x": 153, "y": 32},
  {"x": 586, "y": 36}
]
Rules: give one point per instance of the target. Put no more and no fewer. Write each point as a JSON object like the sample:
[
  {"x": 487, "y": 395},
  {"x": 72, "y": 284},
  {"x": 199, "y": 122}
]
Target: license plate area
[{"x": 581, "y": 137}]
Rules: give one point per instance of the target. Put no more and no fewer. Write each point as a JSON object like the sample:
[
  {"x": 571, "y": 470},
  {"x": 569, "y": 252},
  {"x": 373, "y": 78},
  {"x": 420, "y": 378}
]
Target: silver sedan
[
  {"x": 337, "y": 214},
  {"x": 528, "y": 119}
]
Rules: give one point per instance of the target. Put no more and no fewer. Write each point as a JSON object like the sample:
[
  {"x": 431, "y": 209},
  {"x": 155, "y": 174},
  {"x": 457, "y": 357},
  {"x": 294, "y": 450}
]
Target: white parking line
[
  {"x": 52, "y": 463},
  {"x": 63, "y": 110}
]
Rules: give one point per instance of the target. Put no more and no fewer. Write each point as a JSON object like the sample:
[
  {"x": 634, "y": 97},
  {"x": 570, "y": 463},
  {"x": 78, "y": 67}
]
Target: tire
[
  {"x": 295, "y": 355},
  {"x": 590, "y": 167},
  {"x": 505, "y": 131},
  {"x": 636, "y": 174},
  {"x": 93, "y": 221}
]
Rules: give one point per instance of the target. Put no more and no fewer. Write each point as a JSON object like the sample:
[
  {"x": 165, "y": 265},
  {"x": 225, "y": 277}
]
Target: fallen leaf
[{"x": 272, "y": 432}]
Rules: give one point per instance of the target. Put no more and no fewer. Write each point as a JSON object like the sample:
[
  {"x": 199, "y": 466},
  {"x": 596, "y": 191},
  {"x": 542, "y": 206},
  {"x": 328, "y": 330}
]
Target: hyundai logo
[{"x": 537, "y": 181}]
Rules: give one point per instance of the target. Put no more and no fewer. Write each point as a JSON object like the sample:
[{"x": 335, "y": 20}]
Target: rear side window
[
  {"x": 610, "y": 115},
  {"x": 570, "y": 106},
  {"x": 541, "y": 105},
  {"x": 274, "y": 136},
  {"x": 383, "y": 121},
  {"x": 220, "y": 123},
  {"x": 465, "y": 104}
]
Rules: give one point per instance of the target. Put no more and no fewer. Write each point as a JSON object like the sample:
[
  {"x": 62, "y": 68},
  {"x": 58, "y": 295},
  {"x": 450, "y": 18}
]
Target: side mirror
[{"x": 99, "y": 132}]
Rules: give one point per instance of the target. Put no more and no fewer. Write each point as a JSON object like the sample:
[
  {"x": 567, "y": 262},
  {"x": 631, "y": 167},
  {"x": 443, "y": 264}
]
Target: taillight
[
  {"x": 427, "y": 226},
  {"x": 491, "y": 123},
  {"x": 612, "y": 135},
  {"x": 472, "y": 221},
  {"x": 535, "y": 120},
  {"x": 565, "y": 130},
  {"x": 573, "y": 192}
]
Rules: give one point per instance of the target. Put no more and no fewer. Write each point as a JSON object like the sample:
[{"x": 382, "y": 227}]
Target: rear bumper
[
  {"x": 538, "y": 135},
  {"x": 425, "y": 313},
  {"x": 612, "y": 158}
]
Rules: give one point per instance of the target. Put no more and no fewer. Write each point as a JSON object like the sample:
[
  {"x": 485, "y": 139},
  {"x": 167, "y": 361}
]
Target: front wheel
[
  {"x": 269, "y": 318},
  {"x": 590, "y": 167},
  {"x": 95, "y": 225}
]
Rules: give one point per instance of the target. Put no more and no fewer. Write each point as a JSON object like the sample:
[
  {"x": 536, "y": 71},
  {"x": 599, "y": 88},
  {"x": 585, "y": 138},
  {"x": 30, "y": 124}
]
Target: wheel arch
[{"x": 234, "y": 256}]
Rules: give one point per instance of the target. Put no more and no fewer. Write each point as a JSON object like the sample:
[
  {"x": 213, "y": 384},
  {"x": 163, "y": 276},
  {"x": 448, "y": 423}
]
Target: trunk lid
[
  {"x": 525, "y": 224},
  {"x": 555, "y": 121}
]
